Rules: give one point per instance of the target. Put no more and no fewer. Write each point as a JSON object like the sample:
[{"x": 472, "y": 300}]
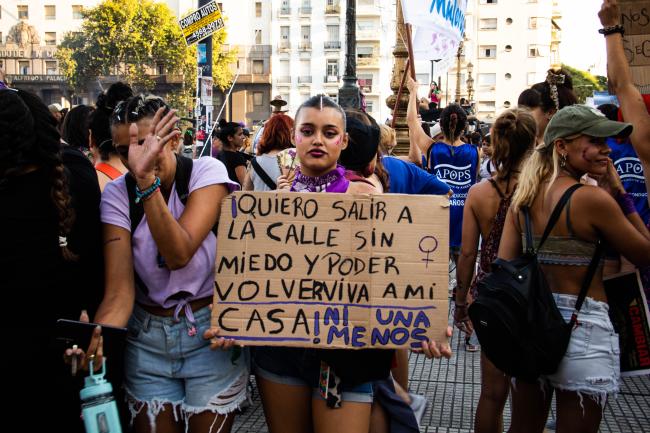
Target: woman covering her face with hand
[{"x": 160, "y": 277}]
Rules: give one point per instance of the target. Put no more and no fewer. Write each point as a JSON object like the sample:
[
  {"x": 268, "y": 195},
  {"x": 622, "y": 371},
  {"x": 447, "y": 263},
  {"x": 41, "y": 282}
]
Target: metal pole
[
  {"x": 216, "y": 122},
  {"x": 349, "y": 96}
]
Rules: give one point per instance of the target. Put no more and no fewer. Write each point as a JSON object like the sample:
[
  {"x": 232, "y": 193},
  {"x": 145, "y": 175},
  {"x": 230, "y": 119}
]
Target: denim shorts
[
  {"x": 165, "y": 365},
  {"x": 290, "y": 366},
  {"x": 591, "y": 365}
]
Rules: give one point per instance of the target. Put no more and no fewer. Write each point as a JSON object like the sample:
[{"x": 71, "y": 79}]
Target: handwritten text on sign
[{"x": 332, "y": 270}]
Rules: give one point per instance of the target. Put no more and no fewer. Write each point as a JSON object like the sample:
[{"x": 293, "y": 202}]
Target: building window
[
  {"x": 77, "y": 12},
  {"x": 50, "y": 68},
  {"x": 369, "y": 106},
  {"x": 365, "y": 82},
  {"x": 364, "y": 52},
  {"x": 488, "y": 51},
  {"x": 258, "y": 99},
  {"x": 23, "y": 12},
  {"x": 305, "y": 32},
  {"x": 50, "y": 12},
  {"x": 532, "y": 23},
  {"x": 50, "y": 38},
  {"x": 487, "y": 24},
  {"x": 284, "y": 33},
  {"x": 258, "y": 67},
  {"x": 258, "y": 9},
  {"x": 332, "y": 70},
  {"x": 23, "y": 67},
  {"x": 508, "y": 75},
  {"x": 508, "y": 21},
  {"x": 286, "y": 97},
  {"x": 487, "y": 79},
  {"x": 160, "y": 68},
  {"x": 508, "y": 48},
  {"x": 538, "y": 50},
  {"x": 258, "y": 36}
]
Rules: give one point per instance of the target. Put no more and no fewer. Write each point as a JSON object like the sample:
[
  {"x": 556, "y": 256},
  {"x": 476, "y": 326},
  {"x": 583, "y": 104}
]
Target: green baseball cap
[{"x": 583, "y": 120}]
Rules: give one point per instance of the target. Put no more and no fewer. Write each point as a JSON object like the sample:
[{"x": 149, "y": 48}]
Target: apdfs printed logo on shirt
[{"x": 457, "y": 178}]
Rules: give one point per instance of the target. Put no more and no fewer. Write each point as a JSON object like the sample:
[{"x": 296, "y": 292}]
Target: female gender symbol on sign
[{"x": 428, "y": 245}]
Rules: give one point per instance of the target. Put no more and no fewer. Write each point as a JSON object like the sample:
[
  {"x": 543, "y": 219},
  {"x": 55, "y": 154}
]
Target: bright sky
[{"x": 582, "y": 46}]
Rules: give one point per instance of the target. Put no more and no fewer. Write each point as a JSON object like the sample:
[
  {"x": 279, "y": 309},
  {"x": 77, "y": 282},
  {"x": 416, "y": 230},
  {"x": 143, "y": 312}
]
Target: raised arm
[
  {"x": 620, "y": 81},
  {"x": 419, "y": 140}
]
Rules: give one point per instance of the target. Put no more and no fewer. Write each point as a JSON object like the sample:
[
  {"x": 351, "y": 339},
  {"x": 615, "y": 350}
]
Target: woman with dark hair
[
  {"x": 513, "y": 138},
  {"x": 231, "y": 135},
  {"x": 288, "y": 378},
  {"x": 264, "y": 169},
  {"x": 555, "y": 93},
  {"x": 452, "y": 161},
  {"x": 51, "y": 263},
  {"x": 75, "y": 128},
  {"x": 108, "y": 164},
  {"x": 160, "y": 252}
]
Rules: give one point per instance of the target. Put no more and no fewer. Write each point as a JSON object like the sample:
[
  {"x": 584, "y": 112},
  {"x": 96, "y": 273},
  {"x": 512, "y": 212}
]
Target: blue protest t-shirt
[
  {"x": 456, "y": 166},
  {"x": 408, "y": 178},
  {"x": 630, "y": 170}
]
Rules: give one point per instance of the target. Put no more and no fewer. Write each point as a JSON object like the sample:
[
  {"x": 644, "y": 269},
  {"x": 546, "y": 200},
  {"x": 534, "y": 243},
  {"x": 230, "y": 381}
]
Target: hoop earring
[{"x": 563, "y": 159}]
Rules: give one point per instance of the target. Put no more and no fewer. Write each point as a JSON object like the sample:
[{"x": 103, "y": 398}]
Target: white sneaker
[{"x": 419, "y": 405}]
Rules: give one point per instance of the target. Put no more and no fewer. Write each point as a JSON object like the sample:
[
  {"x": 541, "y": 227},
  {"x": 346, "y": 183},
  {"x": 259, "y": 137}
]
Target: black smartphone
[{"x": 74, "y": 332}]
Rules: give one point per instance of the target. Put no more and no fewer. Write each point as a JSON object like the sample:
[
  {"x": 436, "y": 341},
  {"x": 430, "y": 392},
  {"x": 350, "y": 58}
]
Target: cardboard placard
[
  {"x": 628, "y": 311},
  {"x": 332, "y": 270},
  {"x": 635, "y": 18},
  {"x": 201, "y": 23}
]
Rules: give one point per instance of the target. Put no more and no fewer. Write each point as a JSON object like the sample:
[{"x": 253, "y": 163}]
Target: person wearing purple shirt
[{"x": 160, "y": 279}]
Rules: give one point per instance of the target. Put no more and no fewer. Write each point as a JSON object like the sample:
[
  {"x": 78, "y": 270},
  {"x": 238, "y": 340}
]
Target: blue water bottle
[{"x": 98, "y": 408}]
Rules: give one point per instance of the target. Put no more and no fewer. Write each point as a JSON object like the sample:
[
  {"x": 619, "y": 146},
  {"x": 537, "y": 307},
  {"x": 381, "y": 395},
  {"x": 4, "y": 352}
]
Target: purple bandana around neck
[{"x": 334, "y": 181}]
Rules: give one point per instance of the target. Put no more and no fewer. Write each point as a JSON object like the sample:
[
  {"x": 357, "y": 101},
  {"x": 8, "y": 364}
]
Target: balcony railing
[
  {"x": 284, "y": 45},
  {"x": 331, "y": 79},
  {"x": 305, "y": 46},
  {"x": 286, "y": 11},
  {"x": 332, "y": 45},
  {"x": 368, "y": 61},
  {"x": 305, "y": 10},
  {"x": 333, "y": 9},
  {"x": 283, "y": 79},
  {"x": 304, "y": 79}
]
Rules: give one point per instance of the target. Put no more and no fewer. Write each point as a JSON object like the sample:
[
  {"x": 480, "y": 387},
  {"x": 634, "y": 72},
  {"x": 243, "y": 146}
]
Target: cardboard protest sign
[
  {"x": 628, "y": 311},
  {"x": 332, "y": 270},
  {"x": 635, "y": 18},
  {"x": 201, "y": 23}
]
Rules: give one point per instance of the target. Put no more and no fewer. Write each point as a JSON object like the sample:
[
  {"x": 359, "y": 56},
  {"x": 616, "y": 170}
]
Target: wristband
[
  {"x": 610, "y": 30},
  {"x": 626, "y": 203},
  {"x": 143, "y": 195}
]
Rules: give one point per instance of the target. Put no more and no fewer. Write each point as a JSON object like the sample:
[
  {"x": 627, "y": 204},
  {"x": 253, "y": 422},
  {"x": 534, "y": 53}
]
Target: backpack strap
[
  {"x": 591, "y": 271},
  {"x": 263, "y": 175},
  {"x": 182, "y": 177},
  {"x": 107, "y": 169}
]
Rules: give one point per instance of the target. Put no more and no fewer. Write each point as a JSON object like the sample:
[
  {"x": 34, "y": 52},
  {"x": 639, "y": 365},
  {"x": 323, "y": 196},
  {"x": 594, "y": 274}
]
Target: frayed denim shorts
[
  {"x": 591, "y": 365},
  {"x": 165, "y": 364},
  {"x": 292, "y": 366}
]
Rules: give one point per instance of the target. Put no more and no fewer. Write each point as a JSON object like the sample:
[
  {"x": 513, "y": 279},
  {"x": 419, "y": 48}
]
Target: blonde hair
[
  {"x": 543, "y": 166},
  {"x": 387, "y": 138}
]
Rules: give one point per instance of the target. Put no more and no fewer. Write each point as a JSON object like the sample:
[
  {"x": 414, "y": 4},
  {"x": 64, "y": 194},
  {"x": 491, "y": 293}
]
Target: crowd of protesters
[{"x": 106, "y": 221}]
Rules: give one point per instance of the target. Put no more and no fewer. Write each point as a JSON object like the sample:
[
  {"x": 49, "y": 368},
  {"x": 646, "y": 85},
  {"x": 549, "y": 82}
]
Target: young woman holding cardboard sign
[{"x": 288, "y": 378}]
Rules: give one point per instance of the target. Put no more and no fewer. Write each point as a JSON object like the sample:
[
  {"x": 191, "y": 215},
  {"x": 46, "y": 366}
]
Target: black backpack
[
  {"x": 136, "y": 210},
  {"x": 515, "y": 317}
]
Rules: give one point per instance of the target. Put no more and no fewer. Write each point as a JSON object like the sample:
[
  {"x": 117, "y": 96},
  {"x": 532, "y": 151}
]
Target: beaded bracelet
[
  {"x": 610, "y": 30},
  {"x": 626, "y": 203},
  {"x": 143, "y": 195}
]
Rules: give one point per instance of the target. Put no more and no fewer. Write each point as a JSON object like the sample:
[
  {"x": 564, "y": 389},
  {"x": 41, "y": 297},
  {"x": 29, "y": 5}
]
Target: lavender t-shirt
[{"x": 196, "y": 279}]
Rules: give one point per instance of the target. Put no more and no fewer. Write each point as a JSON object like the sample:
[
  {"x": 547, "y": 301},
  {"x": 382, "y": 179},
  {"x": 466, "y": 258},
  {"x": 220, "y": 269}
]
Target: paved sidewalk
[{"x": 452, "y": 388}]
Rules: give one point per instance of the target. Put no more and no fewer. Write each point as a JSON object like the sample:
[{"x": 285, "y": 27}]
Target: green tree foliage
[
  {"x": 585, "y": 83},
  {"x": 127, "y": 39}
]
